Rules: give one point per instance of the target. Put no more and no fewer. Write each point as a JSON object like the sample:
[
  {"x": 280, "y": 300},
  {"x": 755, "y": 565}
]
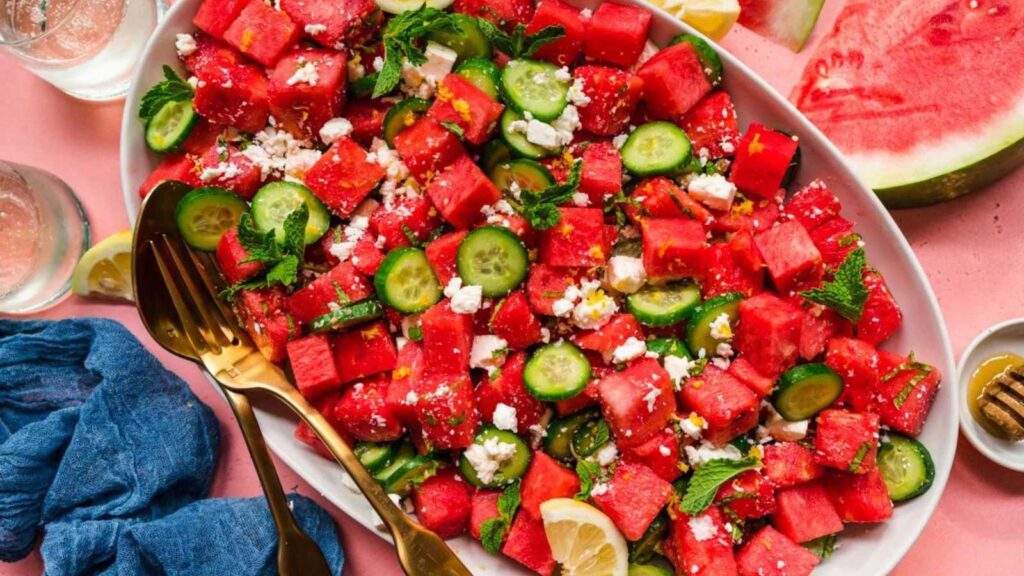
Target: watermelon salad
[{"x": 517, "y": 253}]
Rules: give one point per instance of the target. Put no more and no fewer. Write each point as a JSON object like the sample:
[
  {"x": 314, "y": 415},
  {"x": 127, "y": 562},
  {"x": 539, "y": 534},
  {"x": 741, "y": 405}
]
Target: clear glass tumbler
[
  {"x": 43, "y": 233},
  {"x": 87, "y": 48}
]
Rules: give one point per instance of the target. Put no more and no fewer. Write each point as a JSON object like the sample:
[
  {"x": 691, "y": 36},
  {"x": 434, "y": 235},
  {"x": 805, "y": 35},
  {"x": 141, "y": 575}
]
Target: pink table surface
[{"x": 968, "y": 247}]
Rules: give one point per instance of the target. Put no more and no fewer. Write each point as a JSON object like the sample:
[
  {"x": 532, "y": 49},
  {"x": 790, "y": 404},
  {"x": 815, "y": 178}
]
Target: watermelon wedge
[
  {"x": 926, "y": 98},
  {"x": 788, "y": 22}
]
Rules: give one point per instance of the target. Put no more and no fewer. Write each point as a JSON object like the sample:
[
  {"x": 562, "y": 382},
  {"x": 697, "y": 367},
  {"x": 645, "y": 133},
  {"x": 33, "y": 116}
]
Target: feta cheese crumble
[
  {"x": 335, "y": 129},
  {"x": 305, "y": 72},
  {"x": 488, "y": 352},
  {"x": 607, "y": 455},
  {"x": 463, "y": 299},
  {"x": 708, "y": 451},
  {"x": 713, "y": 190},
  {"x": 702, "y": 527},
  {"x": 504, "y": 418},
  {"x": 486, "y": 458},
  {"x": 185, "y": 44},
  {"x": 595, "y": 308},
  {"x": 351, "y": 234},
  {"x": 679, "y": 369},
  {"x": 421, "y": 81},
  {"x": 720, "y": 327},
  {"x": 630, "y": 349},
  {"x": 314, "y": 29},
  {"x": 599, "y": 489},
  {"x": 782, "y": 429},
  {"x": 625, "y": 274}
]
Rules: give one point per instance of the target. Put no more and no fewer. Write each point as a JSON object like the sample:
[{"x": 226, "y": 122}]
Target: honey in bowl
[{"x": 985, "y": 373}]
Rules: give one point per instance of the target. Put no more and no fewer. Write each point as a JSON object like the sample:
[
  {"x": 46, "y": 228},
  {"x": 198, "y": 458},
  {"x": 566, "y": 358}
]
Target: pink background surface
[{"x": 970, "y": 249}]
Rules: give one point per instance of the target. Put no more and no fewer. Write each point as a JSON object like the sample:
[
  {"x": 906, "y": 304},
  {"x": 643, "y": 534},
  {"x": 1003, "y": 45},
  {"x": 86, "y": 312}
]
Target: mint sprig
[
  {"x": 282, "y": 260},
  {"x": 493, "y": 531},
  {"x": 589, "y": 473},
  {"x": 701, "y": 490},
  {"x": 846, "y": 293},
  {"x": 519, "y": 44},
  {"x": 401, "y": 37},
  {"x": 171, "y": 89},
  {"x": 540, "y": 208}
]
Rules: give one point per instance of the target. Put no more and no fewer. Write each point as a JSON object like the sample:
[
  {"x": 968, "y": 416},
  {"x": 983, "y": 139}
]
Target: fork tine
[
  {"x": 208, "y": 324},
  {"x": 184, "y": 314},
  {"x": 214, "y": 284}
]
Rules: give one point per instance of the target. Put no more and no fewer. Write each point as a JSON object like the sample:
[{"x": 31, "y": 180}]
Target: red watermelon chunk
[
  {"x": 514, "y": 322},
  {"x": 365, "y": 351},
  {"x": 616, "y": 34},
  {"x": 335, "y": 24},
  {"x": 305, "y": 434},
  {"x": 791, "y": 257},
  {"x": 881, "y": 317},
  {"x": 771, "y": 553},
  {"x": 545, "y": 480},
  {"x": 442, "y": 252},
  {"x": 604, "y": 340},
  {"x": 545, "y": 285},
  {"x": 215, "y": 16},
  {"x": 415, "y": 214},
  {"x": 461, "y": 102},
  {"x": 179, "y": 167},
  {"x": 835, "y": 239},
  {"x": 231, "y": 256},
  {"x": 749, "y": 495},
  {"x": 805, "y": 512},
  {"x": 565, "y": 50},
  {"x": 210, "y": 54},
  {"x": 722, "y": 274},
  {"x": 659, "y": 197},
  {"x": 700, "y": 545},
  {"x": 768, "y": 334},
  {"x": 906, "y": 392},
  {"x": 262, "y": 33},
  {"x": 427, "y": 147},
  {"x": 234, "y": 95},
  {"x": 460, "y": 191},
  {"x": 447, "y": 339},
  {"x": 312, "y": 369},
  {"x": 445, "y": 412},
  {"x": 204, "y": 135},
  {"x": 443, "y": 504},
  {"x": 602, "y": 172},
  {"x": 589, "y": 397},
  {"x": 507, "y": 388},
  {"x": 637, "y": 402},
  {"x": 727, "y": 406},
  {"x": 343, "y": 176},
  {"x": 363, "y": 411},
  {"x": 224, "y": 166},
  {"x": 673, "y": 248},
  {"x": 847, "y": 440},
  {"x": 674, "y": 81},
  {"x": 750, "y": 214},
  {"x": 712, "y": 127},
  {"x": 819, "y": 326},
  {"x": 745, "y": 372},
  {"x": 367, "y": 118},
  {"x": 789, "y": 463},
  {"x": 578, "y": 240},
  {"x": 660, "y": 453},
  {"x": 483, "y": 506},
  {"x": 341, "y": 286},
  {"x": 762, "y": 161},
  {"x": 859, "y": 498},
  {"x": 366, "y": 257},
  {"x": 528, "y": 544},
  {"x": 505, "y": 14},
  {"x": 302, "y": 108},
  {"x": 404, "y": 378},
  {"x": 633, "y": 497},
  {"x": 813, "y": 205},
  {"x": 857, "y": 364},
  {"x": 266, "y": 320},
  {"x": 612, "y": 97}
]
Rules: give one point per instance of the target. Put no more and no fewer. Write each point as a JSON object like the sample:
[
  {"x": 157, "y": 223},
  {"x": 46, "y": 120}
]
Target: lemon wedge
[
  {"x": 713, "y": 18},
  {"x": 583, "y": 540},
  {"x": 105, "y": 270}
]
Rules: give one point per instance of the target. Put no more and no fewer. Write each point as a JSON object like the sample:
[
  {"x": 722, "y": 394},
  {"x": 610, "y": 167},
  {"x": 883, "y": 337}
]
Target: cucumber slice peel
[
  {"x": 493, "y": 258},
  {"x": 556, "y": 371},
  {"x": 347, "y": 316},
  {"x": 656, "y": 148},
  {"x": 171, "y": 126},
  {"x": 274, "y": 202},
  {"x": 205, "y": 214},
  {"x": 663, "y": 305},
  {"x": 535, "y": 87},
  {"x": 806, "y": 390},
  {"x": 906, "y": 467},
  {"x": 405, "y": 281},
  {"x": 560, "y": 432},
  {"x": 698, "y": 330}
]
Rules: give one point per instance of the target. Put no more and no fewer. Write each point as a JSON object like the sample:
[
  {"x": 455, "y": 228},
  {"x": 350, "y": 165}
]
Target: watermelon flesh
[
  {"x": 788, "y": 22},
  {"x": 879, "y": 86}
]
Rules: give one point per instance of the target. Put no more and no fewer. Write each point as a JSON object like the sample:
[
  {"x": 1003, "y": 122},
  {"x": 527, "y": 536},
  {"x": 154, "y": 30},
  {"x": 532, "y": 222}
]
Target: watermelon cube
[
  {"x": 586, "y": 399},
  {"x": 441, "y": 254},
  {"x": 335, "y": 24},
  {"x": 234, "y": 95},
  {"x": 835, "y": 240},
  {"x": 364, "y": 351},
  {"x": 262, "y": 33},
  {"x": 483, "y": 506},
  {"x": 342, "y": 285},
  {"x": 762, "y": 160},
  {"x": 577, "y": 240},
  {"x": 906, "y": 392},
  {"x": 566, "y": 50},
  {"x": 602, "y": 172},
  {"x": 789, "y": 463},
  {"x": 545, "y": 480},
  {"x": 749, "y": 495},
  {"x": 769, "y": 333},
  {"x": 224, "y": 166},
  {"x": 633, "y": 497},
  {"x": 637, "y": 402},
  {"x": 722, "y": 274},
  {"x": 660, "y": 453},
  {"x": 443, "y": 504},
  {"x": 804, "y": 512},
  {"x": 752, "y": 214},
  {"x": 460, "y": 191},
  {"x": 819, "y": 326},
  {"x": 266, "y": 320},
  {"x": 363, "y": 411},
  {"x": 727, "y": 406},
  {"x": 659, "y": 197},
  {"x": 231, "y": 256},
  {"x": 447, "y": 339},
  {"x": 461, "y": 102},
  {"x": 712, "y": 127},
  {"x": 859, "y": 498},
  {"x": 367, "y": 118},
  {"x": 366, "y": 257},
  {"x": 408, "y": 371},
  {"x": 343, "y": 176},
  {"x": 610, "y": 95},
  {"x": 673, "y": 248},
  {"x": 505, "y": 14},
  {"x": 700, "y": 544},
  {"x": 324, "y": 405},
  {"x": 427, "y": 147},
  {"x": 210, "y": 54},
  {"x": 745, "y": 252},
  {"x": 545, "y": 285},
  {"x": 813, "y": 205},
  {"x": 745, "y": 372},
  {"x": 215, "y": 16},
  {"x": 445, "y": 412},
  {"x": 514, "y": 322},
  {"x": 792, "y": 259},
  {"x": 616, "y": 34},
  {"x": 847, "y": 440},
  {"x": 410, "y": 213},
  {"x": 881, "y": 317},
  {"x": 527, "y": 544},
  {"x": 307, "y": 88},
  {"x": 179, "y": 167},
  {"x": 857, "y": 364},
  {"x": 674, "y": 81},
  {"x": 312, "y": 369},
  {"x": 507, "y": 388},
  {"x": 604, "y": 340},
  {"x": 771, "y": 553}
]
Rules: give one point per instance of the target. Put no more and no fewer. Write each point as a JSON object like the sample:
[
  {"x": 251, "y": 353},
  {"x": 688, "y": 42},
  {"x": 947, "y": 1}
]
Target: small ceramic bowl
[{"x": 1005, "y": 337}]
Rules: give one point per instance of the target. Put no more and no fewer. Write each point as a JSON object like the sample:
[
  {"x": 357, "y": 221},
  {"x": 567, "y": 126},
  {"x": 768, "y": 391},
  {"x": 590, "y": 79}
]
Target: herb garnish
[
  {"x": 171, "y": 89},
  {"x": 400, "y": 39},
  {"x": 588, "y": 472},
  {"x": 282, "y": 260},
  {"x": 846, "y": 293},
  {"x": 519, "y": 44},
  {"x": 541, "y": 208},
  {"x": 704, "y": 484},
  {"x": 493, "y": 531}
]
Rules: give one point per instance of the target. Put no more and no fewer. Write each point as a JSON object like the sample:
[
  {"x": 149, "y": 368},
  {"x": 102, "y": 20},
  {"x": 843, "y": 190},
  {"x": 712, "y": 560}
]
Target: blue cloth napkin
[{"x": 110, "y": 453}]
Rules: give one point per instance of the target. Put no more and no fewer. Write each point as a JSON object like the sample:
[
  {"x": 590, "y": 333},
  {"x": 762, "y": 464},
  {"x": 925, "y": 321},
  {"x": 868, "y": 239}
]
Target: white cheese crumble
[
  {"x": 595, "y": 308},
  {"x": 551, "y": 136},
  {"x": 577, "y": 94},
  {"x": 580, "y": 199},
  {"x": 564, "y": 305},
  {"x": 651, "y": 397},
  {"x": 421, "y": 81},
  {"x": 488, "y": 352},
  {"x": 185, "y": 44},
  {"x": 625, "y": 274},
  {"x": 305, "y": 72},
  {"x": 664, "y": 450},
  {"x": 678, "y": 369},
  {"x": 599, "y": 489},
  {"x": 464, "y": 299},
  {"x": 693, "y": 426},
  {"x": 351, "y": 234},
  {"x": 504, "y": 418},
  {"x": 620, "y": 140},
  {"x": 708, "y": 451},
  {"x": 702, "y": 527},
  {"x": 222, "y": 172},
  {"x": 335, "y": 129},
  {"x": 713, "y": 190},
  {"x": 487, "y": 457},
  {"x": 782, "y": 429},
  {"x": 720, "y": 327},
  {"x": 314, "y": 29},
  {"x": 607, "y": 455},
  {"x": 271, "y": 148},
  {"x": 630, "y": 349}
]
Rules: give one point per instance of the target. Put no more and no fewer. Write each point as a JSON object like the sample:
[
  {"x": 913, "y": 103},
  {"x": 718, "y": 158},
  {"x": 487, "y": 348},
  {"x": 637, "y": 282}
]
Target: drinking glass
[
  {"x": 87, "y": 48},
  {"x": 43, "y": 233}
]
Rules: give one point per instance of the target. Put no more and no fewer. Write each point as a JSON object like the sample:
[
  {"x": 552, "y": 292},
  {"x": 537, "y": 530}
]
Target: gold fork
[{"x": 230, "y": 357}]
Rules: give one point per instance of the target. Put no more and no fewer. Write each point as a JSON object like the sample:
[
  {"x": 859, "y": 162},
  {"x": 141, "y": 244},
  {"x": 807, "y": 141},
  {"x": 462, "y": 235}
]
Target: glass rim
[{"x": 45, "y": 34}]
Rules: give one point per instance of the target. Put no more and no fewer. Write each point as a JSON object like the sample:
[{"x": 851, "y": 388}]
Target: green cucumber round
[
  {"x": 493, "y": 258},
  {"x": 401, "y": 116},
  {"x": 374, "y": 456},
  {"x": 556, "y": 371},
  {"x": 698, "y": 330},
  {"x": 274, "y": 202},
  {"x": 509, "y": 470},
  {"x": 347, "y": 316},
  {"x": 656, "y": 148},
  {"x": 205, "y": 214},
  {"x": 468, "y": 42},
  {"x": 805, "y": 390},
  {"x": 402, "y": 453},
  {"x": 405, "y": 281},
  {"x": 526, "y": 174},
  {"x": 482, "y": 73},
  {"x": 535, "y": 87},
  {"x": 590, "y": 437},
  {"x": 495, "y": 152},
  {"x": 517, "y": 141},
  {"x": 668, "y": 346},
  {"x": 168, "y": 129},
  {"x": 906, "y": 467},
  {"x": 414, "y": 471},
  {"x": 560, "y": 432},
  {"x": 664, "y": 305}
]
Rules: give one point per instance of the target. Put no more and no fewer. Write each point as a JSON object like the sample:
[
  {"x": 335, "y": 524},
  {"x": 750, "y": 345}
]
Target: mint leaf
[
  {"x": 519, "y": 44},
  {"x": 704, "y": 484},
  {"x": 493, "y": 531},
  {"x": 401, "y": 38},
  {"x": 261, "y": 246},
  {"x": 509, "y": 501},
  {"x": 282, "y": 261},
  {"x": 295, "y": 231},
  {"x": 172, "y": 89},
  {"x": 823, "y": 546},
  {"x": 541, "y": 208},
  {"x": 588, "y": 472},
  {"x": 538, "y": 39},
  {"x": 846, "y": 293}
]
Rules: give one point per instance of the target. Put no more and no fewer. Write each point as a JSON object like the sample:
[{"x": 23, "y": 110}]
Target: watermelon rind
[{"x": 788, "y": 22}]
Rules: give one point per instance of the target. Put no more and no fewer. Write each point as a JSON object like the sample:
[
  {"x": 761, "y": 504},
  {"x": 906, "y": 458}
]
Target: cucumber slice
[
  {"x": 468, "y": 42},
  {"x": 482, "y": 73},
  {"x": 668, "y": 347},
  {"x": 401, "y": 116},
  {"x": 709, "y": 58},
  {"x": 171, "y": 126},
  {"x": 414, "y": 471},
  {"x": 906, "y": 467},
  {"x": 560, "y": 432},
  {"x": 509, "y": 470},
  {"x": 403, "y": 452},
  {"x": 698, "y": 330},
  {"x": 664, "y": 305},
  {"x": 399, "y": 6},
  {"x": 646, "y": 548},
  {"x": 205, "y": 214},
  {"x": 556, "y": 371},
  {"x": 806, "y": 390},
  {"x": 590, "y": 437},
  {"x": 275, "y": 201},
  {"x": 347, "y": 316},
  {"x": 495, "y": 152},
  {"x": 374, "y": 456},
  {"x": 535, "y": 87},
  {"x": 517, "y": 141},
  {"x": 405, "y": 281},
  {"x": 525, "y": 173},
  {"x": 493, "y": 258},
  {"x": 656, "y": 148}
]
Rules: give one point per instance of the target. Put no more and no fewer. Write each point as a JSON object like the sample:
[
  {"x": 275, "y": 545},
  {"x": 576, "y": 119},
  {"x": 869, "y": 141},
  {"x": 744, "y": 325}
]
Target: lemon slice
[
  {"x": 583, "y": 540},
  {"x": 105, "y": 270},
  {"x": 399, "y": 6},
  {"x": 713, "y": 18}
]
